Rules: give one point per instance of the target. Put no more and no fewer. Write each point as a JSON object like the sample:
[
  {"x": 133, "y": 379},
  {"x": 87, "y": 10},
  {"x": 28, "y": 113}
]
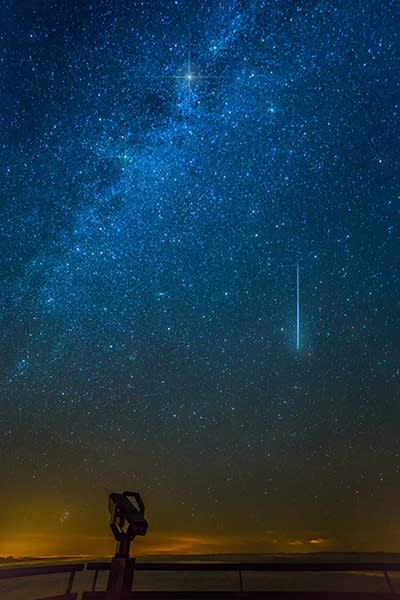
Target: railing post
[
  {"x": 241, "y": 580},
  {"x": 388, "y": 582},
  {"x": 70, "y": 582},
  {"x": 94, "y": 581}
]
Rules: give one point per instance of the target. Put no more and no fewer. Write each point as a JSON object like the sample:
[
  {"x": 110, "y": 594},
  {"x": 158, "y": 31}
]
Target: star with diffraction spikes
[{"x": 190, "y": 77}]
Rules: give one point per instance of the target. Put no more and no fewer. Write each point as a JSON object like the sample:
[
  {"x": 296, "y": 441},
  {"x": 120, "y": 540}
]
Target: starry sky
[{"x": 165, "y": 168}]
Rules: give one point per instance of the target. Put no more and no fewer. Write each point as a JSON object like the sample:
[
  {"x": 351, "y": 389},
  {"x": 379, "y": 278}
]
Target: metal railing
[
  {"x": 71, "y": 569},
  {"x": 280, "y": 567},
  {"x": 240, "y": 568}
]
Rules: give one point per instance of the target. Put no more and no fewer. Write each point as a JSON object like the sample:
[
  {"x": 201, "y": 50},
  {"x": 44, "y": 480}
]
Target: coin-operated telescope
[{"x": 127, "y": 521}]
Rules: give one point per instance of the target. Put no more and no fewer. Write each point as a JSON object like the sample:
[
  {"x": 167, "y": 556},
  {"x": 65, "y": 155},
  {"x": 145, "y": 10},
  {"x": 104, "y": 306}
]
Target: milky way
[{"x": 165, "y": 167}]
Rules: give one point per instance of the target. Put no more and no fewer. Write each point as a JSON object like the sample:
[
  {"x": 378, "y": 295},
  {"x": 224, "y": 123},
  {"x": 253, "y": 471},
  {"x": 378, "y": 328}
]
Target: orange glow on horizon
[{"x": 50, "y": 546}]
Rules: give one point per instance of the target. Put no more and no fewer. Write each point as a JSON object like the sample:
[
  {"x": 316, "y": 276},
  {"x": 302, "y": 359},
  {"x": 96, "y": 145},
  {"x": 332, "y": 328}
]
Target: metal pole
[
  {"x": 94, "y": 581},
  {"x": 120, "y": 579},
  {"x": 70, "y": 582},
  {"x": 388, "y": 582}
]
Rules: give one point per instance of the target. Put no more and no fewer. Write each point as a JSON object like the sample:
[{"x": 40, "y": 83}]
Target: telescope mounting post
[{"x": 126, "y": 522}]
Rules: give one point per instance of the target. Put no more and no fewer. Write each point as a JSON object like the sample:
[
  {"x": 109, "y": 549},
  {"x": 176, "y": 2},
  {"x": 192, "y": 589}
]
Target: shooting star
[{"x": 298, "y": 307}]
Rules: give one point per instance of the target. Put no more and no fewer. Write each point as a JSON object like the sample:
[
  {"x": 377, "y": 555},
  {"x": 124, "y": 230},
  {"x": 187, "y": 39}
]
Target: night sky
[{"x": 165, "y": 168}]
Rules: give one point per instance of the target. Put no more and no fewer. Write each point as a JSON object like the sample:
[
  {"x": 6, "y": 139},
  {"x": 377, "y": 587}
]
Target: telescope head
[{"x": 127, "y": 516}]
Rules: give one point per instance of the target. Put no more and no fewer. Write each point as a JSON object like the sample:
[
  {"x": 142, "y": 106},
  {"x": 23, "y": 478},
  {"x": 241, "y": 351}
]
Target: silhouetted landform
[
  {"x": 30, "y": 559},
  {"x": 11, "y": 560},
  {"x": 225, "y": 557},
  {"x": 258, "y": 557}
]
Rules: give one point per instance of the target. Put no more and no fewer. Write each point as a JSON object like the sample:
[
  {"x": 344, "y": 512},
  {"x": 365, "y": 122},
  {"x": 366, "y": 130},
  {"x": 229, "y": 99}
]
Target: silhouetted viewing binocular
[{"x": 127, "y": 515}]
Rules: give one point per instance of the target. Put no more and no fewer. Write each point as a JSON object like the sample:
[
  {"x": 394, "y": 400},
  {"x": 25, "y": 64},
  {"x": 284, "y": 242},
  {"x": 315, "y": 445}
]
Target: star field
[{"x": 164, "y": 168}]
